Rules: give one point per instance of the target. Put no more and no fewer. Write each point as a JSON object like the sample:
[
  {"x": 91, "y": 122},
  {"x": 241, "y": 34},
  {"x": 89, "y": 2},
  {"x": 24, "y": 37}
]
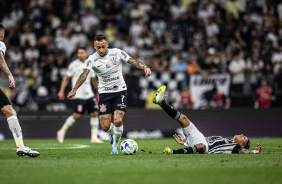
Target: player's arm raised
[
  {"x": 6, "y": 70},
  {"x": 64, "y": 84},
  {"x": 245, "y": 151},
  {"x": 78, "y": 83},
  {"x": 140, "y": 65}
]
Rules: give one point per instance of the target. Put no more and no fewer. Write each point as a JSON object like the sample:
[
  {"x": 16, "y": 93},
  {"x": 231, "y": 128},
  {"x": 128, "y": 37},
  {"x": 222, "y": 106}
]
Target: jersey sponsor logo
[
  {"x": 99, "y": 66},
  {"x": 103, "y": 108},
  {"x": 111, "y": 88},
  {"x": 124, "y": 55},
  {"x": 113, "y": 54},
  {"x": 114, "y": 61},
  {"x": 108, "y": 78}
]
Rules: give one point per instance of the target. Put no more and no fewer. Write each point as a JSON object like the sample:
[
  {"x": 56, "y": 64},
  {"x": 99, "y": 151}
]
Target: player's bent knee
[
  {"x": 105, "y": 127},
  {"x": 8, "y": 111},
  {"x": 118, "y": 122},
  {"x": 201, "y": 148}
]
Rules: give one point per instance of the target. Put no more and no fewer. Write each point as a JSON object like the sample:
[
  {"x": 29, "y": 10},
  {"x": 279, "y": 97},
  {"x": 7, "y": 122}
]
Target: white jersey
[
  {"x": 109, "y": 70},
  {"x": 74, "y": 71},
  {"x": 2, "y": 47}
]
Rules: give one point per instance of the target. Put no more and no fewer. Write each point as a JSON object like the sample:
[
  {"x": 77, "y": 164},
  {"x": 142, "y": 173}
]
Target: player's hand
[
  {"x": 258, "y": 148},
  {"x": 72, "y": 94},
  {"x": 147, "y": 71},
  {"x": 61, "y": 95},
  {"x": 178, "y": 139},
  {"x": 12, "y": 82}
]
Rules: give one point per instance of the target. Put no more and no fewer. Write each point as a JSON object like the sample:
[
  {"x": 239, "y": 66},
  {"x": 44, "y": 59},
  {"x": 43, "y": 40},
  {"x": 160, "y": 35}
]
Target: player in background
[
  {"x": 112, "y": 89},
  {"x": 195, "y": 142},
  {"x": 6, "y": 107},
  {"x": 84, "y": 99}
]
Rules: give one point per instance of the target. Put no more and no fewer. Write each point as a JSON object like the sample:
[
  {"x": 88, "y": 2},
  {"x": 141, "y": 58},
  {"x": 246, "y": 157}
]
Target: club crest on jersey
[
  {"x": 114, "y": 61},
  {"x": 103, "y": 108}
]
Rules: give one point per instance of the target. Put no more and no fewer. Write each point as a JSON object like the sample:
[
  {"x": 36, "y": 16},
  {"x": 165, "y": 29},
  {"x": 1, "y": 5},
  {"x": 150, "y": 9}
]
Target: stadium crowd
[{"x": 240, "y": 37}]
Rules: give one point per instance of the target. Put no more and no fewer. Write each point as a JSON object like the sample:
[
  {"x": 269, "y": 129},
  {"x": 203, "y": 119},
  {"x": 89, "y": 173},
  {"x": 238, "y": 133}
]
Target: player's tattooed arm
[
  {"x": 78, "y": 83},
  {"x": 245, "y": 151},
  {"x": 3, "y": 64},
  {"x": 81, "y": 79},
  {"x": 140, "y": 65},
  {"x": 6, "y": 70}
]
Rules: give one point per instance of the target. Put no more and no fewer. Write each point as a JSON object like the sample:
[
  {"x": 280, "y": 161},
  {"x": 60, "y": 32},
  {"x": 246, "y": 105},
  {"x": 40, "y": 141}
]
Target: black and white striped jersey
[{"x": 222, "y": 145}]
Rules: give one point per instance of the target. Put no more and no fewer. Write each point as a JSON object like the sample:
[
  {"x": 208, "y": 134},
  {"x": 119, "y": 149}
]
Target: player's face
[
  {"x": 81, "y": 54},
  {"x": 241, "y": 139},
  {"x": 101, "y": 47},
  {"x": 2, "y": 35}
]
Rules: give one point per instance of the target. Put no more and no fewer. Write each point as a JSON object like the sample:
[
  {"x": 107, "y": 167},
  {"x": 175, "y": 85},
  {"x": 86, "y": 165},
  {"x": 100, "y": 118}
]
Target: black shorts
[
  {"x": 3, "y": 99},
  {"x": 110, "y": 102},
  {"x": 80, "y": 106}
]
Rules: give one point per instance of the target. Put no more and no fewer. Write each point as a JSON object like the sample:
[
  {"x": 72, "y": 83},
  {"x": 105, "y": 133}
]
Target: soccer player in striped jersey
[{"x": 196, "y": 142}]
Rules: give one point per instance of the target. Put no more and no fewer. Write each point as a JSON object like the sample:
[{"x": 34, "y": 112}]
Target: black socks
[
  {"x": 188, "y": 150},
  {"x": 170, "y": 110}
]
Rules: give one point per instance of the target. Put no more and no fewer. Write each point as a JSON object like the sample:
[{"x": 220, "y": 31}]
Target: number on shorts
[{"x": 122, "y": 97}]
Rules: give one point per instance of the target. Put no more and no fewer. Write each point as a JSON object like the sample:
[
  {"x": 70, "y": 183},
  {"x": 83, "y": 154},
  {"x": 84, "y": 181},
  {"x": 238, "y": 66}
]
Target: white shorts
[{"x": 195, "y": 137}]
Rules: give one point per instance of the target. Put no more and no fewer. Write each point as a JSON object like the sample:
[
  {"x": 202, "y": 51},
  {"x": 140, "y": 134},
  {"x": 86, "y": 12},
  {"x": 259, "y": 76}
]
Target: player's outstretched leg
[
  {"x": 68, "y": 123},
  {"x": 118, "y": 130},
  {"x": 94, "y": 123},
  {"x": 159, "y": 99},
  {"x": 16, "y": 130}
]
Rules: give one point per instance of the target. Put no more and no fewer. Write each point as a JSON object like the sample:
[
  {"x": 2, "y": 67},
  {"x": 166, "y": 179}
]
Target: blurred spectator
[
  {"x": 211, "y": 63},
  {"x": 193, "y": 66},
  {"x": 185, "y": 99},
  {"x": 237, "y": 68},
  {"x": 88, "y": 20},
  {"x": 254, "y": 67},
  {"x": 28, "y": 37},
  {"x": 264, "y": 95},
  {"x": 276, "y": 60},
  {"x": 178, "y": 64},
  {"x": 219, "y": 100}
]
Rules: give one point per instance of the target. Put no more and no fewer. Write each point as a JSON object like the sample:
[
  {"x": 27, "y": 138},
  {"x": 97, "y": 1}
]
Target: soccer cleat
[
  {"x": 60, "y": 136},
  {"x": 159, "y": 95},
  {"x": 167, "y": 151},
  {"x": 114, "y": 150},
  {"x": 27, "y": 151},
  {"x": 111, "y": 137},
  {"x": 96, "y": 140}
]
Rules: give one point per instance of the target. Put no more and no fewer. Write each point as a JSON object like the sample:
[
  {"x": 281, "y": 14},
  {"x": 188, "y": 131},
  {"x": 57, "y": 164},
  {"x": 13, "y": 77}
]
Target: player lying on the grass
[
  {"x": 196, "y": 142},
  {"x": 6, "y": 107}
]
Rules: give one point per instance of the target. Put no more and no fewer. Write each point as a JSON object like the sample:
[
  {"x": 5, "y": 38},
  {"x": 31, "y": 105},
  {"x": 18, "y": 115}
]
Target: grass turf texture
[{"x": 58, "y": 163}]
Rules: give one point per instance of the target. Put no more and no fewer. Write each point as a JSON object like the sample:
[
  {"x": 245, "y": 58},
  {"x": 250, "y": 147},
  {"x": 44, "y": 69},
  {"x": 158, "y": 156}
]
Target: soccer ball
[{"x": 128, "y": 147}]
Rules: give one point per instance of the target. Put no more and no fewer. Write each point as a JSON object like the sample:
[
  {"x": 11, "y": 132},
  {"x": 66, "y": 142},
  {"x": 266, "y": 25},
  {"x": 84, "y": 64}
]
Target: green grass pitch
[{"x": 65, "y": 163}]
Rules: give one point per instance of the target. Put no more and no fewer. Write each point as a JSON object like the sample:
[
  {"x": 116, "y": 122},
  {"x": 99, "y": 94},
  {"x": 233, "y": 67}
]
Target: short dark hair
[
  {"x": 82, "y": 48},
  {"x": 100, "y": 37},
  {"x": 248, "y": 145},
  {"x": 2, "y": 27}
]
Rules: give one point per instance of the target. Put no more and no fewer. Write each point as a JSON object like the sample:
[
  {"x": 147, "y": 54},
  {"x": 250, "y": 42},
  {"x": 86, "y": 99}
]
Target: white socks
[
  {"x": 94, "y": 123},
  {"x": 16, "y": 130},
  {"x": 111, "y": 129},
  {"x": 68, "y": 123},
  {"x": 117, "y": 135}
]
